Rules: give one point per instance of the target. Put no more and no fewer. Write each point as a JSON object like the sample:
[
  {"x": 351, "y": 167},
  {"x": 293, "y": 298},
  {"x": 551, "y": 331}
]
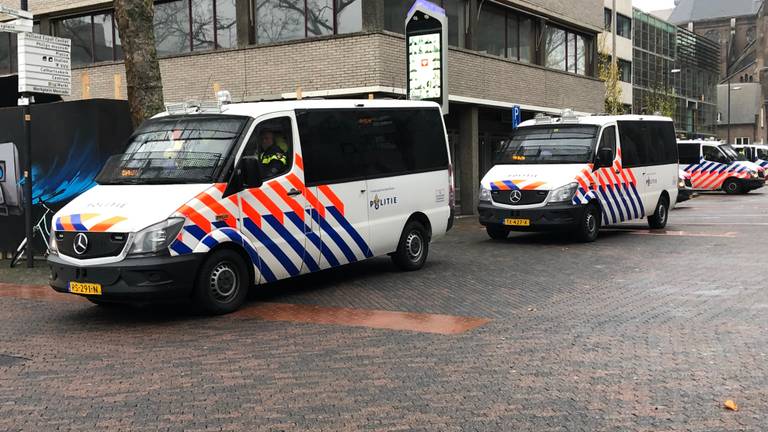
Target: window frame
[{"x": 91, "y": 15}]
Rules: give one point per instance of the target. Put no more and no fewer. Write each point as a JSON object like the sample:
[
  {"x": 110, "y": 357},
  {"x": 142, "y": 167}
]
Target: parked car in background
[
  {"x": 579, "y": 173},
  {"x": 716, "y": 166}
]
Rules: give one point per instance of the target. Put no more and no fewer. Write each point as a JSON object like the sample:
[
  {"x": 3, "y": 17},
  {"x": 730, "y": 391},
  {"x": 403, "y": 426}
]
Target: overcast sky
[{"x": 651, "y": 5}]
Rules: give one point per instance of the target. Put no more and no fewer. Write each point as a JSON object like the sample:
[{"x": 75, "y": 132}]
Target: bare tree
[{"x": 142, "y": 70}]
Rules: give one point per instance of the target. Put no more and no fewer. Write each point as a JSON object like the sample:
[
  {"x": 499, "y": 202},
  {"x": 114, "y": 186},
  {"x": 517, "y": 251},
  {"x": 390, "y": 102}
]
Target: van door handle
[{"x": 294, "y": 192}]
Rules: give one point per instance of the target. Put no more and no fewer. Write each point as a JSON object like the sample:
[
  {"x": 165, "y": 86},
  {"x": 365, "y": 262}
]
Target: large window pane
[
  {"x": 202, "y": 25},
  {"x": 279, "y": 20},
  {"x": 79, "y": 30},
  {"x": 349, "y": 16},
  {"x": 103, "y": 43},
  {"x": 526, "y": 39},
  {"x": 454, "y": 9},
  {"x": 226, "y": 23},
  {"x": 394, "y": 14},
  {"x": 581, "y": 55},
  {"x": 319, "y": 17},
  {"x": 5, "y": 53},
  {"x": 118, "y": 44},
  {"x": 172, "y": 27},
  {"x": 555, "y": 48},
  {"x": 490, "y": 30},
  {"x": 512, "y": 36},
  {"x": 571, "y": 53}
]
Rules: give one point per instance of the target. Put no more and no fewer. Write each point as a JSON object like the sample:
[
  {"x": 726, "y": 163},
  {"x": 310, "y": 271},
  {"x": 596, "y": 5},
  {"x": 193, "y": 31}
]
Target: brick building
[{"x": 539, "y": 54}]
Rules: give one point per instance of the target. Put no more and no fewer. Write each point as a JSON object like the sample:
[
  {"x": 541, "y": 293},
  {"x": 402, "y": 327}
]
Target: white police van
[
  {"x": 757, "y": 153},
  {"x": 579, "y": 173},
  {"x": 717, "y": 166},
  {"x": 188, "y": 211}
]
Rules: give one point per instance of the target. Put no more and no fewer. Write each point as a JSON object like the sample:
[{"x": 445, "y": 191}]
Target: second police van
[
  {"x": 757, "y": 153},
  {"x": 195, "y": 208},
  {"x": 579, "y": 173},
  {"x": 716, "y": 166}
]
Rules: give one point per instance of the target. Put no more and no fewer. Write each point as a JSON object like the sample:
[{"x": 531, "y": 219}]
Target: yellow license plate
[
  {"x": 84, "y": 288},
  {"x": 517, "y": 222}
]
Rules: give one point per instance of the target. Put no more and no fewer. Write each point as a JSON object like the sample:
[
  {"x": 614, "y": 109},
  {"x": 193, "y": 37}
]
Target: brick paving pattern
[{"x": 633, "y": 332}]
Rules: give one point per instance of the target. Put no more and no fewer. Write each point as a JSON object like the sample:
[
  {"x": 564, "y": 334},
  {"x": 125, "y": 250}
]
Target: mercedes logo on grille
[
  {"x": 515, "y": 196},
  {"x": 80, "y": 244}
]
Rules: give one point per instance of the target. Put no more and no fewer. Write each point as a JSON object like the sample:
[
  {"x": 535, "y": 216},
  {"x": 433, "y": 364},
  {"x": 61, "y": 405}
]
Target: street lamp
[{"x": 737, "y": 88}]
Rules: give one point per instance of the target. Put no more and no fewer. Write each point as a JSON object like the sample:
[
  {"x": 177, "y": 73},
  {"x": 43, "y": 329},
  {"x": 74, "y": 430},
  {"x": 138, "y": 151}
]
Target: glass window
[
  {"x": 272, "y": 144},
  {"x": 103, "y": 42},
  {"x": 607, "y": 18},
  {"x": 349, "y": 16},
  {"x": 226, "y": 24},
  {"x": 555, "y": 48},
  {"x": 202, "y": 25},
  {"x": 526, "y": 39},
  {"x": 341, "y": 145},
  {"x": 512, "y": 37},
  {"x": 394, "y": 14},
  {"x": 713, "y": 154},
  {"x": 625, "y": 71},
  {"x": 608, "y": 139},
  {"x": 624, "y": 27},
  {"x": 5, "y": 53},
  {"x": 79, "y": 31},
  {"x": 454, "y": 10},
  {"x": 490, "y": 30},
  {"x": 571, "y": 53},
  {"x": 581, "y": 54},
  {"x": 689, "y": 153},
  {"x": 279, "y": 20},
  {"x": 549, "y": 145},
  {"x": 319, "y": 17},
  {"x": 172, "y": 27},
  {"x": 645, "y": 143}
]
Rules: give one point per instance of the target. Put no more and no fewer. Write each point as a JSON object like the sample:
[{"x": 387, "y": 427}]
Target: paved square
[{"x": 642, "y": 330}]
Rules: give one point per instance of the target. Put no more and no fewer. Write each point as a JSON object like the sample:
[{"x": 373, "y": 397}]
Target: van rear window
[{"x": 355, "y": 144}]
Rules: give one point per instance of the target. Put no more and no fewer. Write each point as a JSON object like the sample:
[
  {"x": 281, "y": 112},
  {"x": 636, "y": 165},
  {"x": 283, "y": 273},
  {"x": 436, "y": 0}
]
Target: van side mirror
[
  {"x": 604, "y": 157},
  {"x": 249, "y": 172}
]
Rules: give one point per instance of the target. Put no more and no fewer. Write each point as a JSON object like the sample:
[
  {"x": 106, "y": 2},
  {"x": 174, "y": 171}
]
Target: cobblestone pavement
[{"x": 641, "y": 331}]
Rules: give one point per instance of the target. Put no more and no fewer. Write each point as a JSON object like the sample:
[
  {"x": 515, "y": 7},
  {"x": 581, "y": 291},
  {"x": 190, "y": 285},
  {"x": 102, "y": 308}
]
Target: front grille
[
  {"x": 100, "y": 244},
  {"x": 528, "y": 197},
  {"x": 761, "y": 174},
  {"x": 688, "y": 183}
]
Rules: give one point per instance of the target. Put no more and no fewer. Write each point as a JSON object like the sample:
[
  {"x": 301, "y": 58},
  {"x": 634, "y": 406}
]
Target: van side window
[
  {"x": 689, "y": 153},
  {"x": 356, "y": 144},
  {"x": 645, "y": 143},
  {"x": 272, "y": 143},
  {"x": 608, "y": 139},
  {"x": 713, "y": 154}
]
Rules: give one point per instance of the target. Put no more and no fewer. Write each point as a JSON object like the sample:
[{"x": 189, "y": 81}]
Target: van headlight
[
  {"x": 485, "y": 194},
  {"x": 156, "y": 237},
  {"x": 53, "y": 248},
  {"x": 754, "y": 174},
  {"x": 564, "y": 193}
]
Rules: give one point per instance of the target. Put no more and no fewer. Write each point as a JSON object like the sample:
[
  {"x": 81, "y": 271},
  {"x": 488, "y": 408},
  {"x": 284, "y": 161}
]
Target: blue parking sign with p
[{"x": 516, "y": 116}]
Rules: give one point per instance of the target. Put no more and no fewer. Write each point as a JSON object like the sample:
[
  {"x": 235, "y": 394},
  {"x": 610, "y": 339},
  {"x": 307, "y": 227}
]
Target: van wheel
[
  {"x": 497, "y": 233},
  {"x": 658, "y": 220},
  {"x": 222, "y": 285},
  {"x": 731, "y": 186},
  {"x": 589, "y": 225},
  {"x": 413, "y": 248}
]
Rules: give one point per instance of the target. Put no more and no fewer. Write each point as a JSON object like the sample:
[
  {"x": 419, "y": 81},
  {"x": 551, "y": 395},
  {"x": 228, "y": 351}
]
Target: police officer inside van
[{"x": 273, "y": 152}]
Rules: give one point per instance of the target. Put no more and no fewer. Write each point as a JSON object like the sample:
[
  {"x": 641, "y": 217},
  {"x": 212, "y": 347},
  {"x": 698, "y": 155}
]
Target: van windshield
[
  {"x": 175, "y": 150},
  {"x": 732, "y": 153},
  {"x": 551, "y": 144}
]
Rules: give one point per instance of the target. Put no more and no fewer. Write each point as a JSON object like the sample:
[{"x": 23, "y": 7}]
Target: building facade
[
  {"x": 538, "y": 54},
  {"x": 675, "y": 66},
  {"x": 734, "y": 26},
  {"x": 623, "y": 45}
]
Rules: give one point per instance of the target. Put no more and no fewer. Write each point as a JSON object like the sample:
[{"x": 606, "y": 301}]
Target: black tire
[
  {"x": 589, "y": 225},
  {"x": 413, "y": 248},
  {"x": 497, "y": 233},
  {"x": 732, "y": 187},
  {"x": 222, "y": 284},
  {"x": 658, "y": 220}
]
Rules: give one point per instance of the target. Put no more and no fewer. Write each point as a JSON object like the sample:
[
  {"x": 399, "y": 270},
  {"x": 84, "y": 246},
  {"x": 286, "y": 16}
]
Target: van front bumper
[
  {"x": 133, "y": 280},
  {"x": 561, "y": 216}
]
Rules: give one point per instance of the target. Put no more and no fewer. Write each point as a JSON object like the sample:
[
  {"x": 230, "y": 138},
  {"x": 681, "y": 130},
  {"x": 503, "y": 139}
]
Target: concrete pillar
[
  {"x": 470, "y": 40},
  {"x": 243, "y": 11},
  {"x": 469, "y": 157},
  {"x": 373, "y": 15}
]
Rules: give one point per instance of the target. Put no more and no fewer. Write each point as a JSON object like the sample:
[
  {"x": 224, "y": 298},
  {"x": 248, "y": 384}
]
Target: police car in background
[
  {"x": 188, "y": 212},
  {"x": 717, "y": 166},
  {"x": 757, "y": 153},
  {"x": 580, "y": 173}
]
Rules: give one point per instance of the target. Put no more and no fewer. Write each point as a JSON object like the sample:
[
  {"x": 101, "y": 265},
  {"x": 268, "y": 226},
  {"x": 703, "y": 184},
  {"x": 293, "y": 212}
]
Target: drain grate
[{"x": 9, "y": 360}]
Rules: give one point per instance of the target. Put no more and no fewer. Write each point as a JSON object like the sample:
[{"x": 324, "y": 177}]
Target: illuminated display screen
[{"x": 424, "y": 60}]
